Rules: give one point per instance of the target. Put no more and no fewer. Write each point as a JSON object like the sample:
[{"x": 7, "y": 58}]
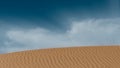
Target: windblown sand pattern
[{"x": 73, "y": 57}]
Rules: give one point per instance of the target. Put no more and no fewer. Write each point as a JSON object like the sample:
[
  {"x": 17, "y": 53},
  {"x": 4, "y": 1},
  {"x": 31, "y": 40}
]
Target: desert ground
[{"x": 68, "y": 57}]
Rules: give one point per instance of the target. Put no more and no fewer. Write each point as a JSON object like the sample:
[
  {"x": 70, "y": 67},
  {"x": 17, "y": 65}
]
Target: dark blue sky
[
  {"x": 51, "y": 12},
  {"x": 43, "y": 8}
]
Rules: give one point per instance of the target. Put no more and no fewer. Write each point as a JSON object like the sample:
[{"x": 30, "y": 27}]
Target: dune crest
[{"x": 73, "y": 57}]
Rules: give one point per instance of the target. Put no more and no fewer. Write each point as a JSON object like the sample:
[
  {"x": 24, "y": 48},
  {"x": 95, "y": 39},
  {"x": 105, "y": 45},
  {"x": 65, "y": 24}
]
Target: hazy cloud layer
[{"x": 86, "y": 32}]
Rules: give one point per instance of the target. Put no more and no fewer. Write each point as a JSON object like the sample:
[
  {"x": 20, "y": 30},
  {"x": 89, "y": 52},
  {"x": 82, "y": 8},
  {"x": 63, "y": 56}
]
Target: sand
[{"x": 71, "y": 57}]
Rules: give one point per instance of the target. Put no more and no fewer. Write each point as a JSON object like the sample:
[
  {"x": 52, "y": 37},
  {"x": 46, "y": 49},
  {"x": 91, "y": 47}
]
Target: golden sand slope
[{"x": 73, "y": 57}]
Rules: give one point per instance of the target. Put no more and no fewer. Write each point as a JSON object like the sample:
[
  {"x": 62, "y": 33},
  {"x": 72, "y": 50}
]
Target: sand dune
[{"x": 73, "y": 57}]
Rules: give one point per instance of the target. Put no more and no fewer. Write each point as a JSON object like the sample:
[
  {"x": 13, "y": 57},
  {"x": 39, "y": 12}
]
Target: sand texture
[{"x": 73, "y": 57}]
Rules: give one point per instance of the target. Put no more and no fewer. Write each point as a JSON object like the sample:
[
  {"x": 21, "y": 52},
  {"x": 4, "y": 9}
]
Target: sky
[{"x": 39, "y": 24}]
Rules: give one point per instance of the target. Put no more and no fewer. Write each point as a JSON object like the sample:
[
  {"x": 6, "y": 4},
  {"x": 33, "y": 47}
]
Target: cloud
[
  {"x": 96, "y": 32},
  {"x": 35, "y": 38},
  {"x": 86, "y": 32}
]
